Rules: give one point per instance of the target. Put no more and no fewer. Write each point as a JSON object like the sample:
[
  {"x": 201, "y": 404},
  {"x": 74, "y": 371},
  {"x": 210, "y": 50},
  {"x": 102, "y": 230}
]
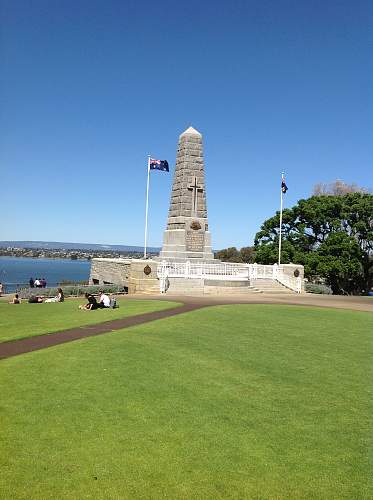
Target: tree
[
  {"x": 306, "y": 230},
  {"x": 246, "y": 254},
  {"x": 339, "y": 260},
  {"x": 337, "y": 188},
  {"x": 230, "y": 254}
]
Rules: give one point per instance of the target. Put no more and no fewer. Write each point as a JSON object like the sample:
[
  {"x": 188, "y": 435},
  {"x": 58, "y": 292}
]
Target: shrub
[{"x": 316, "y": 288}]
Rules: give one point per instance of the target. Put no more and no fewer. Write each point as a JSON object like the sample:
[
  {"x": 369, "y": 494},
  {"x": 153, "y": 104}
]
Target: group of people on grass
[
  {"x": 103, "y": 301},
  {"x": 37, "y": 299}
]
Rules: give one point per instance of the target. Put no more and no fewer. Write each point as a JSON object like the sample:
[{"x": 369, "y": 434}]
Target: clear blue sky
[{"x": 89, "y": 88}]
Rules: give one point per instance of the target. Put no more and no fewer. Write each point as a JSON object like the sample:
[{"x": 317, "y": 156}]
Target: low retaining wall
[
  {"x": 107, "y": 271},
  {"x": 137, "y": 275}
]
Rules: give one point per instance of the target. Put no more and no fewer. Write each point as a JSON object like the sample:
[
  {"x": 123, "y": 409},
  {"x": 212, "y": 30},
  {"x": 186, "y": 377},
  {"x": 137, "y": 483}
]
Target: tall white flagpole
[
  {"x": 281, "y": 204},
  {"x": 146, "y": 208}
]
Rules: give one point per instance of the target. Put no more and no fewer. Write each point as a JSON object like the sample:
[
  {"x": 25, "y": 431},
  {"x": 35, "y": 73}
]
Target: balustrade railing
[
  {"x": 203, "y": 270},
  {"x": 228, "y": 270}
]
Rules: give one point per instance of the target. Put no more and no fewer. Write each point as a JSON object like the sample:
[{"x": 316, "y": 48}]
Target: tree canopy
[
  {"x": 246, "y": 254},
  {"x": 332, "y": 236},
  {"x": 338, "y": 188}
]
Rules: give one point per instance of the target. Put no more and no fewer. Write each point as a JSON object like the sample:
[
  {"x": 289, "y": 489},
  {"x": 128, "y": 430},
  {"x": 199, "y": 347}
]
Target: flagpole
[
  {"x": 146, "y": 208},
  {"x": 281, "y": 204}
]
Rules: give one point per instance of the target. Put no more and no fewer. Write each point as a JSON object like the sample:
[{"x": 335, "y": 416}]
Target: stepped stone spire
[
  {"x": 191, "y": 131},
  {"x": 187, "y": 235}
]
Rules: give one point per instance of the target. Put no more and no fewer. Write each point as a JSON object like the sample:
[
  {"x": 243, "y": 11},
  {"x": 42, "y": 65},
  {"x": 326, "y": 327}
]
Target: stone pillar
[{"x": 187, "y": 236}]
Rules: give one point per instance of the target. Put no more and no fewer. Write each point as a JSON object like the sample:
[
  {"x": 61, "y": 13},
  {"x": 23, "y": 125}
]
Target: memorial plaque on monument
[{"x": 194, "y": 241}]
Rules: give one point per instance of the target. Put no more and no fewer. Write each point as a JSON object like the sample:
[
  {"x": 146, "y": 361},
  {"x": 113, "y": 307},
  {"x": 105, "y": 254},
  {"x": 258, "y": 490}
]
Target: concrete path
[
  {"x": 15, "y": 347},
  {"x": 356, "y": 303}
]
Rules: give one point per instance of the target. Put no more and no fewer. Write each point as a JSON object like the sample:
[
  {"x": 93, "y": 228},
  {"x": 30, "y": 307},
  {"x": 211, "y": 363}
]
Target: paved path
[
  {"x": 15, "y": 347},
  {"x": 21, "y": 346},
  {"x": 355, "y": 303}
]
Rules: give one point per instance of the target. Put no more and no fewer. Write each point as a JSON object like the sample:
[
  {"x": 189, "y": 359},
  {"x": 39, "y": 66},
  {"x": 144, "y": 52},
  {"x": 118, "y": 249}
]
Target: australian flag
[
  {"x": 284, "y": 187},
  {"x": 159, "y": 165}
]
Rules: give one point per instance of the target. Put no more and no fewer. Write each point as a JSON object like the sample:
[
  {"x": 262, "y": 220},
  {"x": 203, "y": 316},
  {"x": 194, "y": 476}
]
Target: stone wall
[
  {"x": 143, "y": 276},
  {"x": 115, "y": 271},
  {"x": 135, "y": 274}
]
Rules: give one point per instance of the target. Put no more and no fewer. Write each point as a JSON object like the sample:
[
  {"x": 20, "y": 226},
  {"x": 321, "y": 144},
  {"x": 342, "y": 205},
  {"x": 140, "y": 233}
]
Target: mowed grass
[
  {"x": 27, "y": 320},
  {"x": 238, "y": 401}
]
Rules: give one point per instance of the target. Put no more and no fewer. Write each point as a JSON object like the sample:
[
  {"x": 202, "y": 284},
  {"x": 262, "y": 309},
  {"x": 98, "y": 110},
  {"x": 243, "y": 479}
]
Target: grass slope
[
  {"x": 246, "y": 401},
  {"x": 28, "y": 320}
]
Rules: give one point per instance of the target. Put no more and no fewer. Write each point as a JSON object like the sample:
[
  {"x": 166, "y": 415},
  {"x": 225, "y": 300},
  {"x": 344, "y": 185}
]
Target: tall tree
[
  {"x": 306, "y": 229},
  {"x": 246, "y": 254},
  {"x": 337, "y": 188},
  {"x": 230, "y": 254}
]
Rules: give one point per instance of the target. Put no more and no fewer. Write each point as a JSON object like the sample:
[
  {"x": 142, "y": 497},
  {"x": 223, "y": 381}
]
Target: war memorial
[{"x": 186, "y": 263}]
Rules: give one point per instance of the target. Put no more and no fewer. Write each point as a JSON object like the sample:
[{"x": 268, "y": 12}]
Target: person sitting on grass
[
  {"x": 35, "y": 299},
  {"x": 104, "y": 300},
  {"x": 15, "y": 300},
  {"x": 58, "y": 298},
  {"x": 92, "y": 303}
]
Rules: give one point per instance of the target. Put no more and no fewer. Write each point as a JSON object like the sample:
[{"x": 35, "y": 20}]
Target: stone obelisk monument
[{"x": 187, "y": 236}]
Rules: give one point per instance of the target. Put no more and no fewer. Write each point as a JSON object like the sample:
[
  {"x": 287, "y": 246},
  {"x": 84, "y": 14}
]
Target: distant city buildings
[{"x": 73, "y": 254}]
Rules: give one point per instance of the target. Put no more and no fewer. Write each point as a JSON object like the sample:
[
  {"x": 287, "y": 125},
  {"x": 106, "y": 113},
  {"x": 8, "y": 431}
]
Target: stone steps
[
  {"x": 271, "y": 286},
  {"x": 201, "y": 287},
  {"x": 226, "y": 283},
  {"x": 231, "y": 291},
  {"x": 182, "y": 286}
]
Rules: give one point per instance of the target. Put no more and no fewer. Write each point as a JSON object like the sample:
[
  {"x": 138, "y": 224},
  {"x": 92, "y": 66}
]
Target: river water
[{"x": 15, "y": 271}]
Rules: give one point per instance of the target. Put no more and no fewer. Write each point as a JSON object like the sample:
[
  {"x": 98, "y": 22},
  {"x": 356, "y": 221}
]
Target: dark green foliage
[
  {"x": 246, "y": 254},
  {"x": 229, "y": 255},
  {"x": 339, "y": 260},
  {"x": 332, "y": 236}
]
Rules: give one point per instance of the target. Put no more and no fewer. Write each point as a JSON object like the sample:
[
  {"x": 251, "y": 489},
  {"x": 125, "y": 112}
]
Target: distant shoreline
[
  {"x": 72, "y": 247},
  {"x": 42, "y": 253},
  {"x": 36, "y": 257}
]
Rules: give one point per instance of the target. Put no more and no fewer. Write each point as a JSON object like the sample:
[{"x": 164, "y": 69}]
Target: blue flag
[{"x": 159, "y": 165}]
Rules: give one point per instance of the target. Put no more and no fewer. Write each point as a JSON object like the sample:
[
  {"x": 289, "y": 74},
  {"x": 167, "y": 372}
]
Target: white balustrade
[
  {"x": 228, "y": 270},
  {"x": 204, "y": 270}
]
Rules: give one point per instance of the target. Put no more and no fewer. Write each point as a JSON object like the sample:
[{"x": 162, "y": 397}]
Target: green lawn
[
  {"x": 239, "y": 401},
  {"x": 28, "y": 320}
]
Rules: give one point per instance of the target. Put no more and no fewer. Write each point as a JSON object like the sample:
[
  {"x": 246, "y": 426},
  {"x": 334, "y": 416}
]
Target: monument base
[
  {"x": 191, "y": 244},
  {"x": 145, "y": 276}
]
